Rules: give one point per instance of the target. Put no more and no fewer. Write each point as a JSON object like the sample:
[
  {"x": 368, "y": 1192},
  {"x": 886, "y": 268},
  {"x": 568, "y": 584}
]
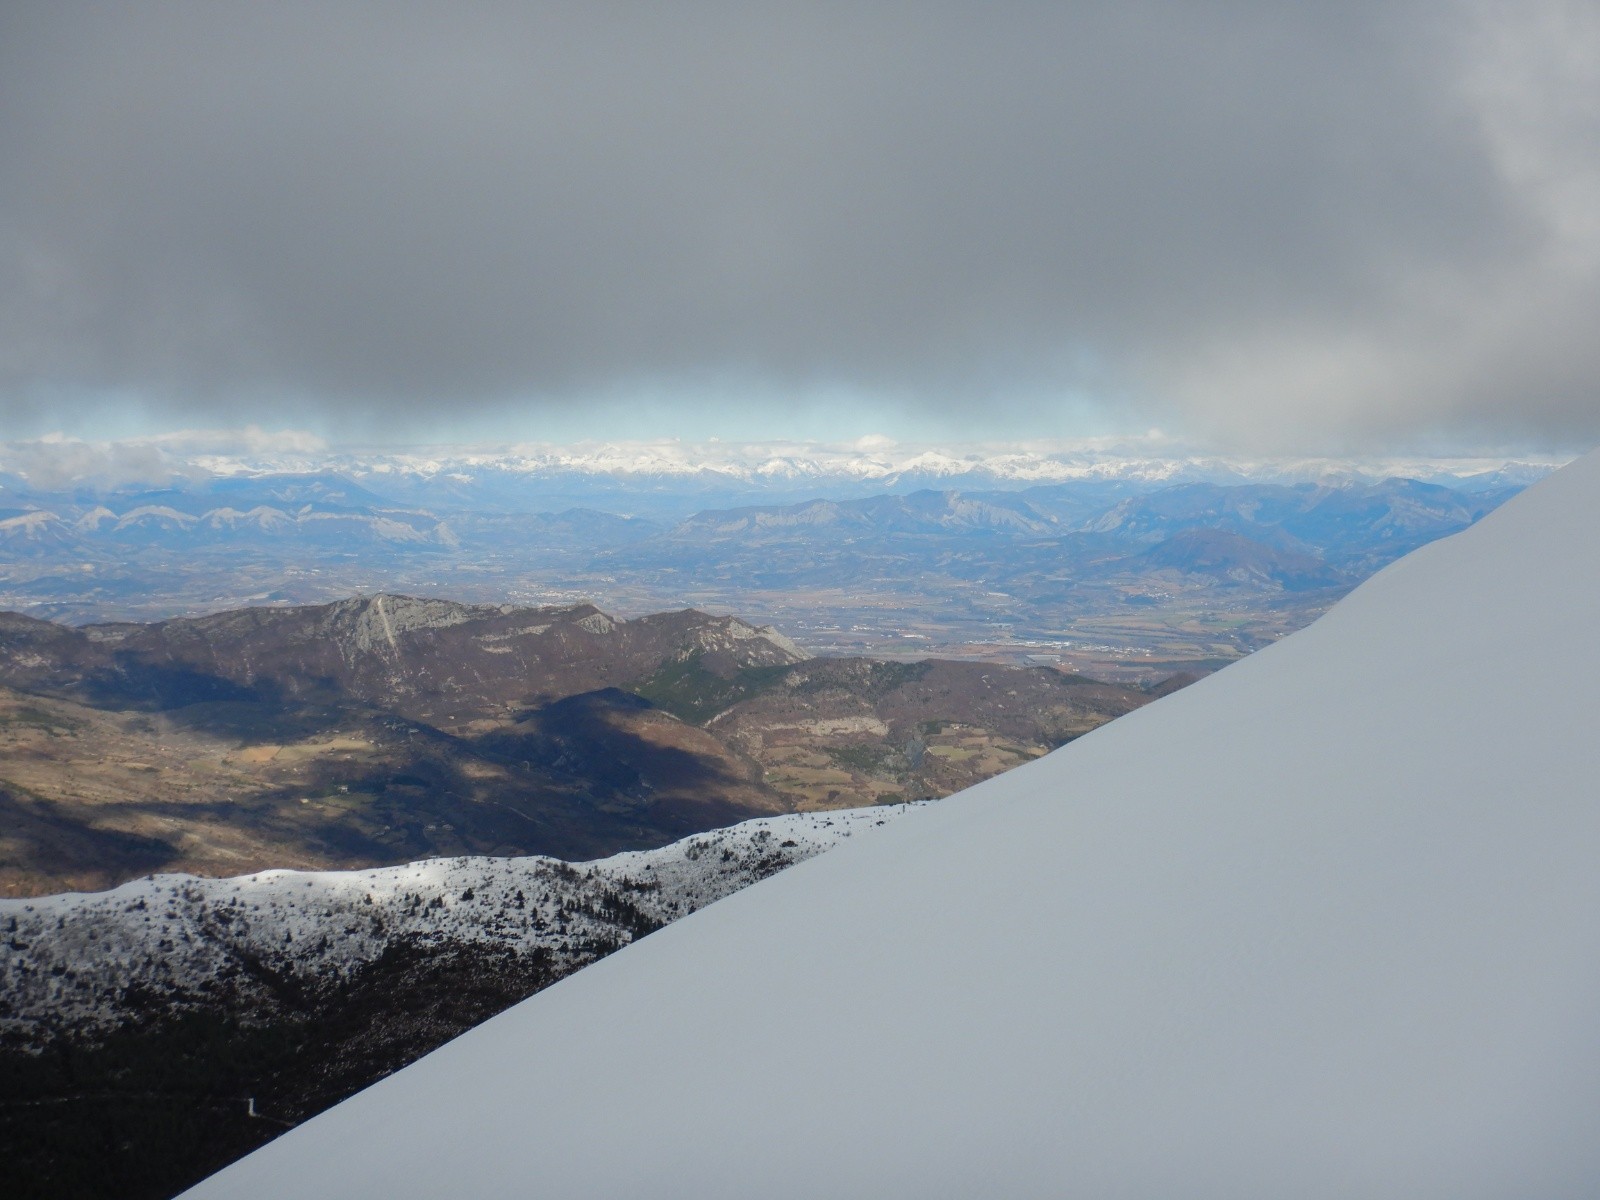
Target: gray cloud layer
[{"x": 1285, "y": 222}]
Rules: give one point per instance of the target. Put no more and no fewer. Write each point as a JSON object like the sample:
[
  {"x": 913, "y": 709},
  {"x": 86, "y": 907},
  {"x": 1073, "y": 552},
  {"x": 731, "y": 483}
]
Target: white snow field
[{"x": 1324, "y": 925}]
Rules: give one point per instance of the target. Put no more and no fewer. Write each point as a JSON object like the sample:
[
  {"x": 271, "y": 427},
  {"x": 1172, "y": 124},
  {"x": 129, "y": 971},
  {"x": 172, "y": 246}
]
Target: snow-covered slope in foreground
[{"x": 1325, "y": 925}]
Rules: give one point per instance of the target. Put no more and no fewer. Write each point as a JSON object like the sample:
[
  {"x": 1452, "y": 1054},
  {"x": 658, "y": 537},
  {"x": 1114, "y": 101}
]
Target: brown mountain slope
[
  {"x": 386, "y": 729},
  {"x": 429, "y": 660},
  {"x": 858, "y": 731}
]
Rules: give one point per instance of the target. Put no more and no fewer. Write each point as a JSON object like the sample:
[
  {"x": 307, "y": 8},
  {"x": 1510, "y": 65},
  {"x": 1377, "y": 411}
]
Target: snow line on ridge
[{"x": 70, "y": 960}]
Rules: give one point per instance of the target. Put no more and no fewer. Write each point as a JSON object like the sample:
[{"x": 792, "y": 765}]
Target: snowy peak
[{"x": 492, "y": 477}]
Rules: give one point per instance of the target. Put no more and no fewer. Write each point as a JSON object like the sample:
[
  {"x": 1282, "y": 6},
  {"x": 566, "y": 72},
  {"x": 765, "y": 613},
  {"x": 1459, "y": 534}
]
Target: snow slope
[
  {"x": 86, "y": 961},
  {"x": 1324, "y": 925}
]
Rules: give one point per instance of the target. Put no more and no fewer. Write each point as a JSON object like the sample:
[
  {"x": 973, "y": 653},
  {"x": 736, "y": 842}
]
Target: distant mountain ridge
[
  {"x": 1251, "y": 538},
  {"x": 917, "y": 512},
  {"x": 971, "y": 572},
  {"x": 330, "y": 508},
  {"x": 1308, "y": 518}
]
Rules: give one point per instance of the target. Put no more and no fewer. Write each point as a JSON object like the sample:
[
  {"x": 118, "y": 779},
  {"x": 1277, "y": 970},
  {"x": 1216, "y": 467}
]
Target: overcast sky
[{"x": 1280, "y": 226}]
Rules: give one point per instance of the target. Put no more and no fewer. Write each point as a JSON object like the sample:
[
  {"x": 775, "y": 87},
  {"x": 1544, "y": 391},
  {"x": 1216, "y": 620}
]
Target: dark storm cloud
[{"x": 1349, "y": 219}]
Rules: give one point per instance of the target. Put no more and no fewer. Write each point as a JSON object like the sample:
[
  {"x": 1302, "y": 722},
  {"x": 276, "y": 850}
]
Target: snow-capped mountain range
[
  {"x": 1320, "y": 926},
  {"x": 498, "y": 477}
]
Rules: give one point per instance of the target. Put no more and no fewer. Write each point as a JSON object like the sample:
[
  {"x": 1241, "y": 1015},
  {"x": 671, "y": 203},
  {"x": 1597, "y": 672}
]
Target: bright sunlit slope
[{"x": 1325, "y": 925}]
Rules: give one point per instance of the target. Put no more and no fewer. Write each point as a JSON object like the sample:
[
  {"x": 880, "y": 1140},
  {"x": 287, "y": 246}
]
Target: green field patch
[
  {"x": 28, "y": 717},
  {"x": 690, "y": 692},
  {"x": 869, "y": 759}
]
